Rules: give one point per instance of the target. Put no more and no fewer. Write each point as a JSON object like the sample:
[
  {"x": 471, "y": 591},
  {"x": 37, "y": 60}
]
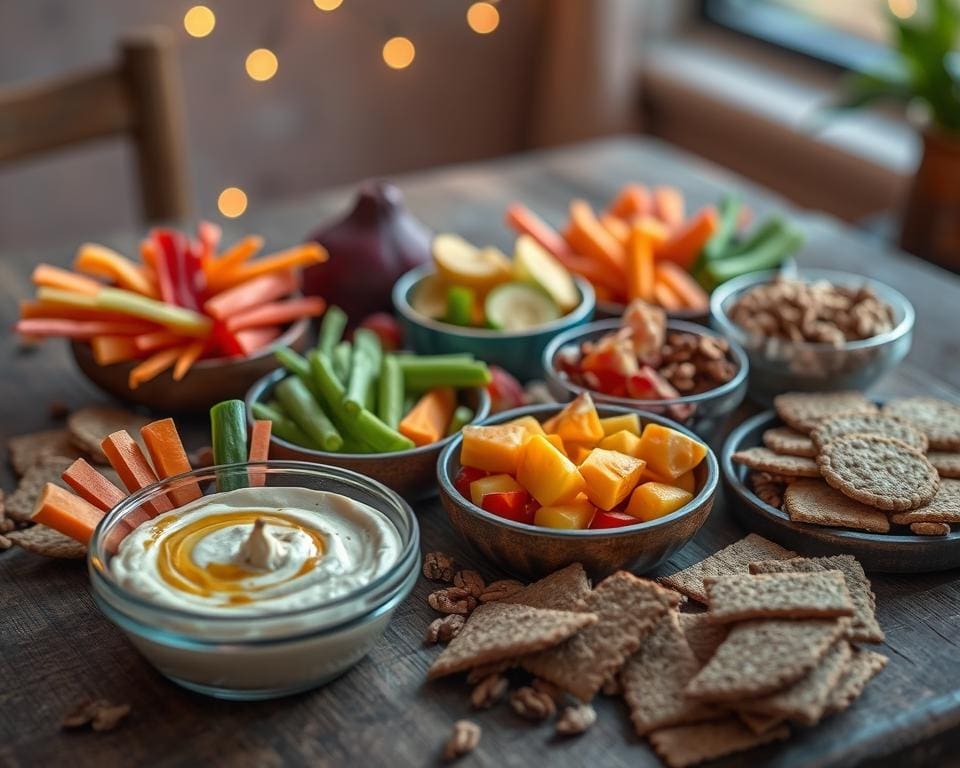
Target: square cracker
[
  {"x": 764, "y": 460},
  {"x": 815, "y": 502},
  {"x": 28, "y": 450},
  {"x": 818, "y": 594},
  {"x": 45, "y": 541},
  {"x": 865, "y": 628},
  {"x": 859, "y": 671},
  {"x": 19, "y": 505},
  {"x": 942, "y": 508},
  {"x": 561, "y": 590},
  {"x": 497, "y": 631},
  {"x": 90, "y": 425},
  {"x": 628, "y": 609},
  {"x": 688, "y": 745},
  {"x": 702, "y": 635},
  {"x": 731, "y": 560},
  {"x": 763, "y": 656},
  {"x": 653, "y": 680}
]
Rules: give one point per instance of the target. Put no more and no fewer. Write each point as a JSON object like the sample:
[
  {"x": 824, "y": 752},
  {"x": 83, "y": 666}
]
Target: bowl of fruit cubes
[
  {"x": 540, "y": 487},
  {"x": 479, "y": 301}
]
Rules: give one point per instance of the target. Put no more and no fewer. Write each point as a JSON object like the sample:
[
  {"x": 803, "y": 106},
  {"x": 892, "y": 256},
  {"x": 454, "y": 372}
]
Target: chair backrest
[{"x": 138, "y": 96}]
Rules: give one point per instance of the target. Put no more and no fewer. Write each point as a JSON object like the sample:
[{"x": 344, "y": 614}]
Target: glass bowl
[
  {"x": 704, "y": 413},
  {"x": 246, "y": 655},
  {"x": 780, "y": 365}
]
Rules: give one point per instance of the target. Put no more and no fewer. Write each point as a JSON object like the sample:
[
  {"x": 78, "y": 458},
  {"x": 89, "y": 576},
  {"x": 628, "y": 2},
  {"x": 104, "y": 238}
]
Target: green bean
[
  {"x": 768, "y": 255},
  {"x": 364, "y": 368},
  {"x": 304, "y": 409},
  {"x": 228, "y": 435},
  {"x": 341, "y": 360},
  {"x": 331, "y": 329},
  {"x": 718, "y": 245},
  {"x": 283, "y": 426},
  {"x": 440, "y": 371},
  {"x": 390, "y": 393},
  {"x": 292, "y": 361},
  {"x": 461, "y": 417}
]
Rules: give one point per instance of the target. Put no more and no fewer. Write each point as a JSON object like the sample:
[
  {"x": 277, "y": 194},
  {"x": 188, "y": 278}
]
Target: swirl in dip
[{"x": 257, "y": 550}]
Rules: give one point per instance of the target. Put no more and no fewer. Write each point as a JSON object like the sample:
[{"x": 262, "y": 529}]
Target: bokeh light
[
  {"x": 902, "y": 9},
  {"x": 261, "y": 64},
  {"x": 199, "y": 21},
  {"x": 398, "y": 52},
  {"x": 232, "y": 202},
  {"x": 328, "y": 5},
  {"x": 483, "y": 18}
]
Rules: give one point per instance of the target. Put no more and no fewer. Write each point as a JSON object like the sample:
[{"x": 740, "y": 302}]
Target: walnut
[
  {"x": 100, "y": 714},
  {"x": 531, "y": 704},
  {"x": 463, "y": 739},
  {"x": 471, "y": 581},
  {"x": 477, "y": 674},
  {"x": 575, "y": 720},
  {"x": 445, "y": 629},
  {"x": 498, "y": 590},
  {"x": 551, "y": 690},
  {"x": 438, "y": 567},
  {"x": 452, "y": 600},
  {"x": 489, "y": 691}
]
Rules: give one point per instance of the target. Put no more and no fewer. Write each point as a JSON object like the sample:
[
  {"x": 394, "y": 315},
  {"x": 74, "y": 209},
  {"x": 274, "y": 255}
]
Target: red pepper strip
[
  {"x": 253, "y": 339},
  {"x": 193, "y": 275},
  {"x": 152, "y": 256},
  {"x": 225, "y": 342},
  {"x": 173, "y": 248}
]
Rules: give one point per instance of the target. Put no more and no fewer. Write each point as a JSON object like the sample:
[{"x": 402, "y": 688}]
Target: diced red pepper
[
  {"x": 465, "y": 476},
  {"x": 612, "y": 519},
  {"x": 505, "y": 391},
  {"x": 511, "y": 505}
]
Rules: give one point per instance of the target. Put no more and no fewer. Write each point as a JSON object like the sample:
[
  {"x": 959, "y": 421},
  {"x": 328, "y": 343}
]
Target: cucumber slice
[
  {"x": 459, "y": 305},
  {"x": 533, "y": 264},
  {"x": 518, "y": 306}
]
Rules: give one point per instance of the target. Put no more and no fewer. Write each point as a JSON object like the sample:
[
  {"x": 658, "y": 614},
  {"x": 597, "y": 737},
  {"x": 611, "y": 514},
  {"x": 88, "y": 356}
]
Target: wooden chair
[{"x": 138, "y": 96}]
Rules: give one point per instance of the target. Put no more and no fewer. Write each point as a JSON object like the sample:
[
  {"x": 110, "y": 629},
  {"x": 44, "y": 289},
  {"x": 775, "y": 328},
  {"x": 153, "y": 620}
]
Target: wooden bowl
[
  {"x": 410, "y": 473},
  {"x": 531, "y": 551},
  {"x": 206, "y": 383}
]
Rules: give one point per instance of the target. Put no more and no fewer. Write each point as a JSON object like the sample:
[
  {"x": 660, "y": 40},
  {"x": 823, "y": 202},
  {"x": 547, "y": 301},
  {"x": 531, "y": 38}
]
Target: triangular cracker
[{"x": 562, "y": 590}]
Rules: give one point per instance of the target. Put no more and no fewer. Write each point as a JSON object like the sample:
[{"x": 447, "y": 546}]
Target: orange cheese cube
[
  {"x": 556, "y": 442},
  {"x": 578, "y": 422},
  {"x": 492, "y": 484},
  {"x": 669, "y": 453},
  {"x": 624, "y": 441},
  {"x": 687, "y": 481},
  {"x": 626, "y": 421},
  {"x": 495, "y": 449},
  {"x": 610, "y": 476},
  {"x": 653, "y": 500},
  {"x": 529, "y": 423},
  {"x": 574, "y": 515},
  {"x": 548, "y": 475},
  {"x": 577, "y": 453}
]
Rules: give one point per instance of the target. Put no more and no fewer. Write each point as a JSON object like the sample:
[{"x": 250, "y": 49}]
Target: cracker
[
  {"x": 765, "y": 460},
  {"x": 804, "y": 410},
  {"x": 562, "y": 590},
  {"x": 882, "y": 424},
  {"x": 759, "y": 723},
  {"x": 864, "y": 627},
  {"x": 763, "y": 656},
  {"x": 628, "y": 609},
  {"x": 45, "y": 541},
  {"x": 702, "y": 635},
  {"x": 805, "y": 701},
  {"x": 788, "y": 442},
  {"x": 947, "y": 464},
  {"x": 930, "y": 529},
  {"x": 688, "y": 745},
  {"x": 938, "y": 419},
  {"x": 497, "y": 631},
  {"x": 19, "y": 504},
  {"x": 90, "y": 425},
  {"x": 27, "y": 450},
  {"x": 942, "y": 508},
  {"x": 859, "y": 671},
  {"x": 815, "y": 502},
  {"x": 653, "y": 680},
  {"x": 730, "y": 560},
  {"x": 820, "y": 594}
]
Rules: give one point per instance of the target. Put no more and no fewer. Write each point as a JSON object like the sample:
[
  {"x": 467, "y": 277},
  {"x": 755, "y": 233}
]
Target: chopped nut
[
  {"x": 445, "y": 629},
  {"x": 471, "y": 581},
  {"x": 452, "y": 600},
  {"x": 438, "y": 567},
  {"x": 477, "y": 674},
  {"x": 532, "y": 704},
  {"x": 463, "y": 740},
  {"x": 102, "y": 715},
  {"x": 489, "y": 691},
  {"x": 575, "y": 720},
  {"x": 551, "y": 690},
  {"x": 498, "y": 590}
]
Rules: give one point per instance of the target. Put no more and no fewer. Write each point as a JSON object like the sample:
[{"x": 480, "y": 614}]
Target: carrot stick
[
  {"x": 259, "y": 448},
  {"x": 654, "y": 229},
  {"x": 633, "y": 200},
  {"x": 135, "y": 471},
  {"x": 427, "y": 421},
  {"x": 54, "y": 277},
  {"x": 253, "y": 339},
  {"x": 91, "y": 486},
  {"x": 154, "y": 340},
  {"x": 683, "y": 285},
  {"x": 640, "y": 269},
  {"x": 153, "y": 366},
  {"x": 150, "y": 254},
  {"x": 108, "y": 350},
  {"x": 300, "y": 256},
  {"x": 79, "y": 329},
  {"x": 669, "y": 205},
  {"x": 53, "y": 311},
  {"x": 234, "y": 256},
  {"x": 616, "y": 227},
  {"x": 586, "y": 235},
  {"x": 664, "y": 296},
  {"x": 169, "y": 458},
  {"x": 251, "y": 294},
  {"x": 526, "y": 222},
  {"x": 191, "y": 353},
  {"x": 277, "y": 313},
  {"x": 686, "y": 242},
  {"x": 104, "y": 262},
  {"x": 61, "y": 510}
]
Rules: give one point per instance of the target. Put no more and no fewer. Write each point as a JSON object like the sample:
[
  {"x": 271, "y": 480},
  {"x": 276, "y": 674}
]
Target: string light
[
  {"x": 232, "y": 202},
  {"x": 398, "y": 52},
  {"x": 328, "y": 5},
  {"x": 903, "y": 9},
  {"x": 483, "y": 18},
  {"x": 261, "y": 64},
  {"x": 199, "y": 21}
]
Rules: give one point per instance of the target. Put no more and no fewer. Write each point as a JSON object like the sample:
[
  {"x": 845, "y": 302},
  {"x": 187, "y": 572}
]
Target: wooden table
[{"x": 55, "y": 648}]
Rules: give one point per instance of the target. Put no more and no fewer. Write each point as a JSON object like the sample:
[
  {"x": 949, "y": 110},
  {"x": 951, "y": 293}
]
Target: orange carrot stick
[
  {"x": 259, "y": 448},
  {"x": 108, "y": 350},
  {"x": 633, "y": 200},
  {"x": 103, "y": 262},
  {"x": 153, "y": 366},
  {"x": 79, "y": 329},
  {"x": 686, "y": 242},
  {"x": 53, "y": 311},
  {"x": 67, "y": 513},
  {"x": 293, "y": 258},
  {"x": 526, "y": 222},
  {"x": 277, "y": 313},
  {"x": 150, "y": 342},
  {"x": 91, "y": 486},
  {"x": 427, "y": 421},
  {"x": 669, "y": 206},
  {"x": 54, "y": 277},
  {"x": 135, "y": 471},
  {"x": 654, "y": 229},
  {"x": 586, "y": 235},
  {"x": 664, "y": 296},
  {"x": 191, "y": 353},
  {"x": 616, "y": 227},
  {"x": 251, "y": 294},
  {"x": 169, "y": 458},
  {"x": 683, "y": 285},
  {"x": 253, "y": 339},
  {"x": 640, "y": 270},
  {"x": 234, "y": 256}
]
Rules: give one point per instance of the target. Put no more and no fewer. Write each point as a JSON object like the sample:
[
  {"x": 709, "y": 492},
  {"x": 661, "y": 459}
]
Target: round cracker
[
  {"x": 938, "y": 419},
  {"x": 855, "y": 423},
  {"x": 805, "y": 410},
  {"x": 45, "y": 541},
  {"x": 930, "y": 529},
  {"x": 879, "y": 471},
  {"x": 788, "y": 442},
  {"x": 947, "y": 464}
]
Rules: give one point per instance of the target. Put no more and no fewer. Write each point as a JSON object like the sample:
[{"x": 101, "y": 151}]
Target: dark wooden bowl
[
  {"x": 410, "y": 473},
  {"x": 530, "y": 551},
  {"x": 206, "y": 383},
  {"x": 881, "y": 552}
]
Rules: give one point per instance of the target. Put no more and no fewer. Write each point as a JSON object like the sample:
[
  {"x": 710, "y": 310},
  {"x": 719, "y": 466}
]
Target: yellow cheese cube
[
  {"x": 577, "y": 453},
  {"x": 492, "y": 484},
  {"x": 574, "y": 515},
  {"x": 578, "y": 422},
  {"x": 624, "y": 441},
  {"x": 557, "y": 443},
  {"x": 669, "y": 453},
  {"x": 548, "y": 475},
  {"x": 626, "y": 421},
  {"x": 495, "y": 449},
  {"x": 529, "y": 423},
  {"x": 610, "y": 476},
  {"x": 653, "y": 500}
]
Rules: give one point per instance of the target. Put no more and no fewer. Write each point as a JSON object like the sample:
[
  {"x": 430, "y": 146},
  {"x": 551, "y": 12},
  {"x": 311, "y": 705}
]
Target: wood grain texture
[{"x": 57, "y": 648}]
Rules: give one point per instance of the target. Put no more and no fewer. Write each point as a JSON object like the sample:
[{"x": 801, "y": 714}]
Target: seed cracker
[
  {"x": 702, "y": 635},
  {"x": 860, "y": 671},
  {"x": 930, "y": 529},
  {"x": 762, "y": 656},
  {"x": 90, "y": 425},
  {"x": 881, "y": 424},
  {"x": 947, "y": 464},
  {"x": 942, "y": 508},
  {"x": 818, "y": 594},
  {"x": 815, "y": 502},
  {"x": 653, "y": 680},
  {"x": 804, "y": 410},
  {"x": 628, "y": 609},
  {"x": 759, "y": 723},
  {"x": 688, "y": 745},
  {"x": 561, "y": 590},
  {"x": 19, "y": 505},
  {"x": 786, "y": 441},
  {"x": 497, "y": 631},
  {"x": 864, "y": 627},
  {"x": 27, "y": 450},
  {"x": 938, "y": 419},
  {"x": 45, "y": 541},
  {"x": 765, "y": 460},
  {"x": 734, "y": 559}
]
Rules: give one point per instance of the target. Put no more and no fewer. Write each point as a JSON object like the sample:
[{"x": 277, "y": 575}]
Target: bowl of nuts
[
  {"x": 814, "y": 330},
  {"x": 643, "y": 361}
]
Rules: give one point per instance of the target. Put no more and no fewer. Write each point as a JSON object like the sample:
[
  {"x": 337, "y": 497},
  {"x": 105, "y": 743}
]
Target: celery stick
[
  {"x": 461, "y": 417},
  {"x": 460, "y": 302},
  {"x": 390, "y": 393},
  {"x": 331, "y": 329},
  {"x": 429, "y": 372},
  {"x": 300, "y": 403},
  {"x": 186, "y": 321},
  {"x": 228, "y": 435},
  {"x": 283, "y": 426}
]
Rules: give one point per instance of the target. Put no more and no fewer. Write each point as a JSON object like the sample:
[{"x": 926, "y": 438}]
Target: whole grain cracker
[
  {"x": 628, "y": 609},
  {"x": 765, "y": 460},
  {"x": 730, "y": 560},
  {"x": 687, "y": 745},
  {"x": 763, "y": 656},
  {"x": 938, "y": 419},
  {"x": 90, "y": 425},
  {"x": 653, "y": 680},
  {"x": 882, "y": 424},
  {"x": 498, "y": 631},
  {"x": 19, "y": 505},
  {"x": 947, "y": 464},
  {"x": 45, "y": 541},
  {"x": 879, "y": 471},
  {"x": 930, "y": 529},
  {"x": 859, "y": 671},
  {"x": 786, "y": 441},
  {"x": 944, "y": 507},
  {"x": 561, "y": 590},
  {"x": 804, "y": 410},
  {"x": 27, "y": 450},
  {"x": 815, "y": 502},
  {"x": 759, "y": 723},
  {"x": 702, "y": 635},
  {"x": 818, "y": 594},
  {"x": 864, "y": 627}
]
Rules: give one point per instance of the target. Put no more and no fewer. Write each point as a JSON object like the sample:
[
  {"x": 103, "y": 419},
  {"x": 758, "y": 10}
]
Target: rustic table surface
[{"x": 55, "y": 647}]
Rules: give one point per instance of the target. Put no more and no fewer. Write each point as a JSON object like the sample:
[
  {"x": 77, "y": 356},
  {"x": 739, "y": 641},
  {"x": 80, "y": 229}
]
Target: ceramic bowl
[
  {"x": 530, "y": 551},
  {"x": 519, "y": 352},
  {"x": 206, "y": 383},
  {"x": 410, "y": 473}
]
